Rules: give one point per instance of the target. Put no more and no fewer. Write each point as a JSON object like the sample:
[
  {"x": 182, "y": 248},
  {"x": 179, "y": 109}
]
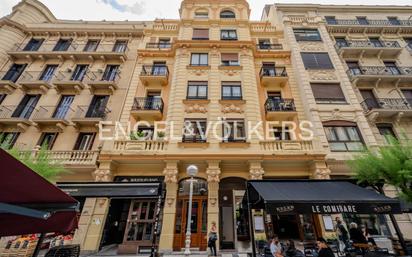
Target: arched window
[{"x": 227, "y": 14}]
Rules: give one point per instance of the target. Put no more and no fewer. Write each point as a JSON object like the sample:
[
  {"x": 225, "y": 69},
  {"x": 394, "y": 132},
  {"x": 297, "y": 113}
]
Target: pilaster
[{"x": 213, "y": 179}]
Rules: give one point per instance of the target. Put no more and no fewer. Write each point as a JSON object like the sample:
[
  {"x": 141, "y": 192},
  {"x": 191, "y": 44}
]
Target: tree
[
  {"x": 41, "y": 163},
  {"x": 390, "y": 164}
]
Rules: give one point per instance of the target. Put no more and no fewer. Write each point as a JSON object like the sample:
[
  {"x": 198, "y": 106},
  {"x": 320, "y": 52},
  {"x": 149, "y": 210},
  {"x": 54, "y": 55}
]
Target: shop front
[
  {"x": 130, "y": 222},
  {"x": 302, "y": 209}
]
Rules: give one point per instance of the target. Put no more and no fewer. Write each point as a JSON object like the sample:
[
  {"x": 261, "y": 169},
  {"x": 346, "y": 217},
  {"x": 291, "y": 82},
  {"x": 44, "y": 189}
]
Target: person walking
[
  {"x": 343, "y": 234},
  {"x": 323, "y": 248},
  {"x": 212, "y": 238}
]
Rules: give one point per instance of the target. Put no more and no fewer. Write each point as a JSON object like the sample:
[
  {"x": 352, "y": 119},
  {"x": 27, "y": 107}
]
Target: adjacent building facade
[{"x": 75, "y": 88}]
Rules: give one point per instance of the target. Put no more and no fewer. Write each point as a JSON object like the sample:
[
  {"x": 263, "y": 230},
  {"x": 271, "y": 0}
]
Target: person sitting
[
  {"x": 275, "y": 247},
  {"x": 291, "y": 250},
  {"x": 356, "y": 235},
  {"x": 323, "y": 248}
]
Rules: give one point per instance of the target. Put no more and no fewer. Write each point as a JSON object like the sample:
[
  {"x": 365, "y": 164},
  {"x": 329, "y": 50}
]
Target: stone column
[
  {"x": 169, "y": 209},
  {"x": 213, "y": 179}
]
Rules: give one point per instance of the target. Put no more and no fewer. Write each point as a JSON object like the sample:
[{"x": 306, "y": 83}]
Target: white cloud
[{"x": 151, "y": 9}]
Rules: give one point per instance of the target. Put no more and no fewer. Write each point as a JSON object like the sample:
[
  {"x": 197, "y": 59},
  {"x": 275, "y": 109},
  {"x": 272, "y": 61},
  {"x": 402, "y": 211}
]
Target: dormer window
[
  {"x": 201, "y": 14},
  {"x": 227, "y": 15}
]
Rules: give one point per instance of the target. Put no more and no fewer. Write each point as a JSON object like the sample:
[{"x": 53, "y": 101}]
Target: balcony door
[
  {"x": 354, "y": 68},
  {"x": 153, "y": 100},
  {"x": 369, "y": 98},
  {"x": 34, "y": 44},
  {"x": 79, "y": 72},
  {"x": 159, "y": 69},
  {"x": 26, "y": 106},
  {"x": 408, "y": 95},
  {"x": 110, "y": 73},
  {"x": 269, "y": 69},
  {"x": 392, "y": 68},
  {"x": 47, "y": 140},
  {"x": 48, "y": 73},
  {"x": 62, "y": 45},
  {"x": 97, "y": 108},
  {"x": 84, "y": 142},
  {"x": 63, "y": 107},
  {"x": 14, "y": 73}
]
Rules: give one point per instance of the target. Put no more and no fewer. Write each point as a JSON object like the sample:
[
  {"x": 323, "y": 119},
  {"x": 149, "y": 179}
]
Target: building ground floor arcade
[{"x": 123, "y": 211}]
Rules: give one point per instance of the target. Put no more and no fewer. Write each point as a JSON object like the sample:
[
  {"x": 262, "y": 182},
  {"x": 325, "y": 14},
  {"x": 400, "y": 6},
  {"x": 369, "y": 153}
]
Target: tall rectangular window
[
  {"x": 362, "y": 20},
  {"x": 79, "y": 72},
  {"x": 307, "y": 35},
  {"x": 91, "y": 45},
  {"x": 8, "y": 140},
  {"x": 97, "y": 108},
  {"x": 228, "y": 34},
  {"x": 343, "y": 137},
  {"x": 199, "y": 59},
  {"x": 317, "y": 61},
  {"x": 200, "y": 34},
  {"x": 331, "y": 20},
  {"x": 110, "y": 73},
  {"x": 234, "y": 131},
  {"x": 386, "y": 131},
  {"x": 2, "y": 97},
  {"x": 48, "y": 72},
  {"x": 62, "y": 45},
  {"x": 26, "y": 107},
  {"x": 14, "y": 73},
  {"x": 120, "y": 46},
  {"x": 328, "y": 93},
  {"x": 197, "y": 90},
  {"x": 84, "y": 142},
  {"x": 34, "y": 44},
  {"x": 194, "y": 130},
  {"x": 47, "y": 140},
  {"x": 230, "y": 59},
  {"x": 231, "y": 91}
]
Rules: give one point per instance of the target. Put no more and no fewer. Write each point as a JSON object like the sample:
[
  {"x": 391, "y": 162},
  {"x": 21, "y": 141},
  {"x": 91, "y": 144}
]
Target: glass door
[
  {"x": 369, "y": 97},
  {"x": 14, "y": 72},
  {"x": 63, "y": 107},
  {"x": 97, "y": 107},
  {"x": 79, "y": 72},
  {"x": 26, "y": 106},
  {"x": 48, "y": 73}
]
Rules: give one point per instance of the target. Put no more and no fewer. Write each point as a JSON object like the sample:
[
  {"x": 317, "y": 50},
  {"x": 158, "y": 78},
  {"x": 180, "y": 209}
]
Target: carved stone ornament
[
  {"x": 256, "y": 173},
  {"x": 102, "y": 175},
  {"x": 232, "y": 108},
  {"x": 322, "y": 75},
  {"x": 213, "y": 174},
  {"x": 312, "y": 46},
  {"x": 170, "y": 201},
  {"x": 231, "y": 72},
  {"x": 196, "y": 108},
  {"x": 170, "y": 175},
  {"x": 198, "y": 72},
  {"x": 322, "y": 173},
  {"x": 212, "y": 201}
]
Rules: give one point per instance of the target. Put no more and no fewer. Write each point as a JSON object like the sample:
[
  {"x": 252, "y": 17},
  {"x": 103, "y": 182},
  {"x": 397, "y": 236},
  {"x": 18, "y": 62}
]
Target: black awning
[
  {"x": 121, "y": 189},
  {"x": 317, "y": 196}
]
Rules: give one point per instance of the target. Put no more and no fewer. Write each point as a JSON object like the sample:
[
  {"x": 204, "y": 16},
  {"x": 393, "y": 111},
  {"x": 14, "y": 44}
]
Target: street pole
[{"x": 191, "y": 171}]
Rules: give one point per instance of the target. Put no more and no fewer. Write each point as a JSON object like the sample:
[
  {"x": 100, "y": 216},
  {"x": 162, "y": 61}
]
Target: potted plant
[
  {"x": 136, "y": 143},
  {"x": 161, "y": 135},
  {"x": 137, "y": 136}
]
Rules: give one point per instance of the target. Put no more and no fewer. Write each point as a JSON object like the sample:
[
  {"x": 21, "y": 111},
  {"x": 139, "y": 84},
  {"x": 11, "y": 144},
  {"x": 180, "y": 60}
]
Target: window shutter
[
  {"x": 230, "y": 83},
  {"x": 327, "y": 91},
  {"x": 339, "y": 123},
  {"x": 229, "y": 57},
  {"x": 200, "y": 33}
]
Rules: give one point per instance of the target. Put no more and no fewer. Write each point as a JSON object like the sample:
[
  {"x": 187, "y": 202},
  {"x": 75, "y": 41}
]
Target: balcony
[
  {"x": 145, "y": 146},
  {"x": 162, "y": 46},
  {"x": 154, "y": 75},
  {"x": 147, "y": 108},
  {"x": 273, "y": 76},
  {"x": 7, "y": 82},
  {"x": 87, "y": 116},
  {"x": 103, "y": 82},
  {"x": 287, "y": 146},
  {"x": 361, "y": 48},
  {"x": 387, "y": 107},
  {"x": 16, "y": 115},
  {"x": 107, "y": 52},
  {"x": 378, "y": 74},
  {"x": 52, "y": 116},
  {"x": 69, "y": 82},
  {"x": 368, "y": 26},
  {"x": 280, "y": 109},
  {"x": 67, "y": 158},
  {"x": 35, "y": 80}
]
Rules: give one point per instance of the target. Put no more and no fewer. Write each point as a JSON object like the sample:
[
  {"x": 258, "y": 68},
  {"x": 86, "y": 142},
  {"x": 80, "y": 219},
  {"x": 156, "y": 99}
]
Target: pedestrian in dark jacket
[
  {"x": 212, "y": 238},
  {"x": 356, "y": 234},
  {"x": 324, "y": 249}
]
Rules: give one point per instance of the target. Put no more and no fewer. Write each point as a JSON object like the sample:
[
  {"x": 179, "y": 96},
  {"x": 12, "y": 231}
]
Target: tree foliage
[
  {"x": 41, "y": 163},
  {"x": 390, "y": 164}
]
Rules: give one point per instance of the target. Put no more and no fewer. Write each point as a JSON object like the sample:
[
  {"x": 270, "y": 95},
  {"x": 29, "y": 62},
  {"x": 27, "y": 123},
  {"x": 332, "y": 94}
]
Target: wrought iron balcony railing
[
  {"x": 273, "y": 72},
  {"x": 16, "y": 111},
  {"x": 159, "y": 45},
  {"x": 269, "y": 46},
  {"x": 194, "y": 138},
  {"x": 73, "y": 47},
  {"x": 387, "y": 104},
  {"x": 104, "y": 76},
  {"x": 345, "y": 22},
  {"x": 148, "y": 104},
  {"x": 53, "y": 113},
  {"x": 155, "y": 70},
  {"x": 85, "y": 112},
  {"x": 64, "y": 76},
  {"x": 380, "y": 70},
  {"x": 367, "y": 44},
  {"x": 29, "y": 76},
  {"x": 280, "y": 105}
]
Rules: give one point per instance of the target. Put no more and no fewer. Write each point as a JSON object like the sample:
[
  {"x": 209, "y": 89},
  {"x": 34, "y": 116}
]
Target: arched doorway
[
  {"x": 199, "y": 215},
  {"x": 234, "y": 230}
]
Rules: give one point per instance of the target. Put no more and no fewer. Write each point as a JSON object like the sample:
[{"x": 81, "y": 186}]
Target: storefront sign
[
  {"x": 111, "y": 189},
  {"x": 131, "y": 179},
  {"x": 339, "y": 208},
  {"x": 330, "y": 208}
]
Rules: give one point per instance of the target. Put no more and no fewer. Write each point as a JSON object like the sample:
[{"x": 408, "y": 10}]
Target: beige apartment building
[
  {"x": 355, "y": 74},
  {"x": 77, "y": 86}
]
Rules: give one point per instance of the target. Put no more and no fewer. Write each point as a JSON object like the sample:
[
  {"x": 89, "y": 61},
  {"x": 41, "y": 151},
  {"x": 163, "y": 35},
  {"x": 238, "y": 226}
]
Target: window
[
  {"x": 120, "y": 46},
  {"x": 307, "y": 35},
  {"x": 317, "y": 61},
  {"x": 386, "y": 130},
  {"x": 2, "y": 97},
  {"x": 79, "y": 72},
  {"x": 343, "y": 136},
  {"x": 376, "y": 42},
  {"x": 408, "y": 41},
  {"x": 63, "y": 107},
  {"x": 97, "y": 108},
  {"x": 362, "y": 20},
  {"x": 264, "y": 44},
  {"x": 200, "y": 34},
  {"x": 110, "y": 73},
  {"x": 164, "y": 43},
  {"x": 84, "y": 142},
  {"x": 408, "y": 95},
  {"x": 14, "y": 73},
  {"x": 231, "y": 91},
  {"x": 326, "y": 93},
  {"x": 341, "y": 42},
  {"x": 394, "y": 21},
  {"x": 194, "y": 131},
  {"x": 228, "y": 34},
  {"x": 199, "y": 59},
  {"x": 234, "y": 131},
  {"x": 354, "y": 68},
  {"x": 331, "y": 20},
  {"x": 26, "y": 107},
  {"x": 201, "y": 14},
  {"x": 91, "y": 46},
  {"x": 62, "y": 45},
  {"x": 47, "y": 140},
  {"x": 281, "y": 133},
  {"x": 230, "y": 59},
  {"x": 8, "y": 139},
  {"x": 197, "y": 90},
  {"x": 48, "y": 72},
  {"x": 227, "y": 14},
  {"x": 392, "y": 68},
  {"x": 34, "y": 44}
]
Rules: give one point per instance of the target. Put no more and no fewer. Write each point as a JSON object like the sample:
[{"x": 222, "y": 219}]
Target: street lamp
[{"x": 191, "y": 171}]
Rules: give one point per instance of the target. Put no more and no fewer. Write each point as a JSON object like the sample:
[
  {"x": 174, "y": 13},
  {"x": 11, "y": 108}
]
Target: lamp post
[{"x": 191, "y": 171}]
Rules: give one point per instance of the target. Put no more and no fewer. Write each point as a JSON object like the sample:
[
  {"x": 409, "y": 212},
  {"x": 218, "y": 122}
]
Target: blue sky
[{"x": 151, "y": 9}]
